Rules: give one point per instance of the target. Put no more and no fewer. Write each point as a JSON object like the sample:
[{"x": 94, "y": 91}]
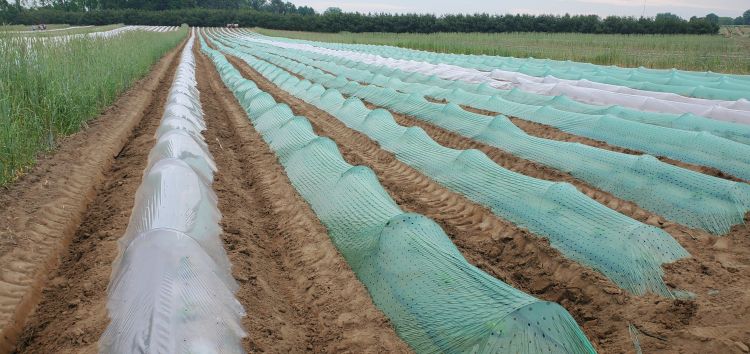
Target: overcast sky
[{"x": 684, "y": 8}]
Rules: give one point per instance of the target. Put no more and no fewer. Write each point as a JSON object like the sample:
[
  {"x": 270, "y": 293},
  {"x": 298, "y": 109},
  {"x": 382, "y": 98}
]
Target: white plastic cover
[{"x": 171, "y": 289}]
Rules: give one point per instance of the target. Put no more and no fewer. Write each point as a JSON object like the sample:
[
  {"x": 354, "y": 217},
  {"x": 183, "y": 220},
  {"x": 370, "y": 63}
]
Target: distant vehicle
[{"x": 233, "y": 25}]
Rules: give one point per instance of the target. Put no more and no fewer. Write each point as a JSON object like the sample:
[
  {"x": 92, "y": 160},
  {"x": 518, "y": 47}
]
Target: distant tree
[
  {"x": 305, "y": 10},
  {"x": 333, "y": 11},
  {"x": 746, "y": 17},
  {"x": 712, "y": 18},
  {"x": 257, "y": 4},
  {"x": 723, "y": 21},
  {"x": 281, "y": 14},
  {"x": 739, "y": 21}
]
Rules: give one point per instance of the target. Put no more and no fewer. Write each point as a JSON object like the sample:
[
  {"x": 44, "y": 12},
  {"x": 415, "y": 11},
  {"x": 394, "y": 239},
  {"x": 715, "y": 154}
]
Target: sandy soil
[{"x": 708, "y": 324}]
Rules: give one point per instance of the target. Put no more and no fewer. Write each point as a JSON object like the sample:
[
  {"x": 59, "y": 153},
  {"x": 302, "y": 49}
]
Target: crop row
[
  {"x": 698, "y": 147},
  {"x": 171, "y": 289},
  {"x": 434, "y": 298},
  {"x": 682, "y": 195},
  {"x": 675, "y": 83},
  {"x": 581, "y": 228}
]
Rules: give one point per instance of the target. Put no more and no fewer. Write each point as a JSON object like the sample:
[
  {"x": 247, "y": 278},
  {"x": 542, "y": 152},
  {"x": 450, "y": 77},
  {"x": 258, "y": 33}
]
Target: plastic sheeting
[
  {"x": 435, "y": 299},
  {"x": 171, "y": 289},
  {"x": 625, "y": 250},
  {"x": 688, "y": 197}
]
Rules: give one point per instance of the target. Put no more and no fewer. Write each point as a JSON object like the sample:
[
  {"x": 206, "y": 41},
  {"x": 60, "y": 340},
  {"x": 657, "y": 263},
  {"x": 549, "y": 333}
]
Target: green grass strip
[{"x": 49, "y": 90}]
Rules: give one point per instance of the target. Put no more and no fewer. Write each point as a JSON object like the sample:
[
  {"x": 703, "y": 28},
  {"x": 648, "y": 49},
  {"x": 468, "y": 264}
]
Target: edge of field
[{"x": 42, "y": 210}]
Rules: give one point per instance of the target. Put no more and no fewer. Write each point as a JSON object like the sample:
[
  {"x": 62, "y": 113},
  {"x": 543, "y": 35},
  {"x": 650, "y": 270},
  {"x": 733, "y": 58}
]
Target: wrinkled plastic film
[{"x": 171, "y": 289}]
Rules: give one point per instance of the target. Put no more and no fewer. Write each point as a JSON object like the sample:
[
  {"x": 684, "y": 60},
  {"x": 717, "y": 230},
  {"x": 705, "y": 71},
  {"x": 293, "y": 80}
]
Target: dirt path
[
  {"x": 300, "y": 294},
  {"x": 42, "y": 212},
  {"x": 530, "y": 264}
]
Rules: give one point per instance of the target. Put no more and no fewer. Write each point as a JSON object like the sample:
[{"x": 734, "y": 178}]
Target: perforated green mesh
[
  {"x": 627, "y": 251},
  {"x": 688, "y": 197},
  {"x": 707, "y": 85},
  {"x": 683, "y": 137},
  {"x": 436, "y": 300}
]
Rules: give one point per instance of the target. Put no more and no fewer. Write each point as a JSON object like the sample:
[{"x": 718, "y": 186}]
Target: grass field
[
  {"x": 688, "y": 52},
  {"x": 48, "y": 91}
]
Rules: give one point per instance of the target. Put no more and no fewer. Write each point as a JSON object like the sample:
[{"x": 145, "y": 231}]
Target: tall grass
[
  {"x": 687, "y": 52},
  {"x": 49, "y": 90}
]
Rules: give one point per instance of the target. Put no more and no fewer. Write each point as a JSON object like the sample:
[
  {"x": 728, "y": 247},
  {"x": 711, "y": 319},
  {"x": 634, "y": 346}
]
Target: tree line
[
  {"x": 277, "y": 14},
  {"x": 275, "y": 6}
]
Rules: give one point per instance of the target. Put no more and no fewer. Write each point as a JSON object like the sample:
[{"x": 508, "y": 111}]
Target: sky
[{"x": 683, "y": 8}]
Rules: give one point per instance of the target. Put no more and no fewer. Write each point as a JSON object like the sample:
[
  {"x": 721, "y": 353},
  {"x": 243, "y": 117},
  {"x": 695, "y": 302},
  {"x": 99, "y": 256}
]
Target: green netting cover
[
  {"x": 627, "y": 251},
  {"x": 687, "y": 138},
  {"x": 706, "y": 85},
  {"x": 436, "y": 300},
  {"x": 688, "y": 197}
]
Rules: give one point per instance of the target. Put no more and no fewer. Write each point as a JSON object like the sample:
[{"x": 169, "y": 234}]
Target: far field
[
  {"x": 689, "y": 52},
  {"x": 55, "y": 30},
  {"x": 28, "y": 27}
]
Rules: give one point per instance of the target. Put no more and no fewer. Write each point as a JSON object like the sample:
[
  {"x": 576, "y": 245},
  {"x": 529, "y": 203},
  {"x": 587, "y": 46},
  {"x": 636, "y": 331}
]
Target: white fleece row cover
[
  {"x": 579, "y": 90},
  {"x": 45, "y": 31},
  {"x": 171, "y": 289}
]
